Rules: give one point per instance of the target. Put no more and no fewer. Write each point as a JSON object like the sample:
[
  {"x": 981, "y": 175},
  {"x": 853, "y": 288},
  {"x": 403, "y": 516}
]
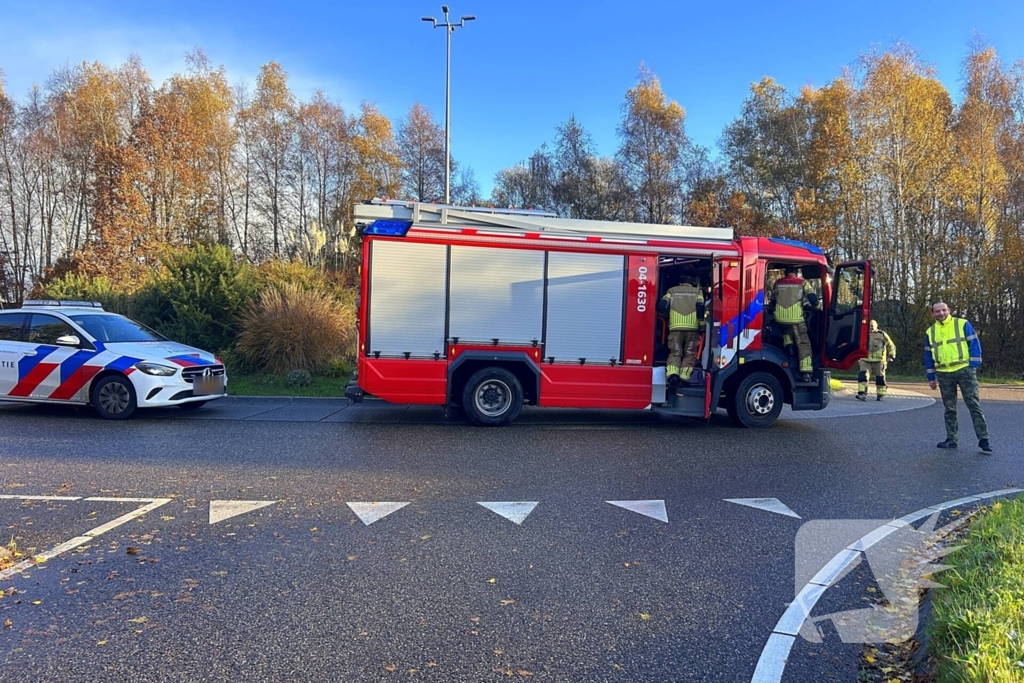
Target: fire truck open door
[
  {"x": 849, "y": 312},
  {"x": 714, "y": 350}
]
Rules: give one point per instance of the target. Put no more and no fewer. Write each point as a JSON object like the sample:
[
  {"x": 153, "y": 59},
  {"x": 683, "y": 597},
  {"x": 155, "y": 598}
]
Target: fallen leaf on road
[
  {"x": 102, "y": 642},
  {"x": 390, "y": 667},
  {"x": 131, "y": 550},
  {"x": 492, "y": 581},
  {"x": 645, "y": 616},
  {"x": 507, "y": 602},
  {"x": 138, "y": 620}
]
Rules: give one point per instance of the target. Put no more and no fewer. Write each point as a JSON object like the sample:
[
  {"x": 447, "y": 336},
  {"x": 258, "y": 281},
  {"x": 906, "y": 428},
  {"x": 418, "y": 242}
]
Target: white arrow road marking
[
  {"x": 152, "y": 504},
  {"x": 226, "y": 509},
  {"x": 515, "y": 512},
  {"x": 369, "y": 513},
  {"x": 770, "y": 504},
  {"x": 654, "y": 509}
]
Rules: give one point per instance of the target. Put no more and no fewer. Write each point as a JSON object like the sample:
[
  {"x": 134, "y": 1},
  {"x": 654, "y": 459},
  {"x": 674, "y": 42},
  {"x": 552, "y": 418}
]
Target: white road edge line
[
  {"x": 771, "y": 665},
  {"x": 8, "y": 496},
  {"x": 152, "y": 504}
]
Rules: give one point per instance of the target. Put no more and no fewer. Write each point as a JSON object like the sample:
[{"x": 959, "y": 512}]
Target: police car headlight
[{"x": 155, "y": 369}]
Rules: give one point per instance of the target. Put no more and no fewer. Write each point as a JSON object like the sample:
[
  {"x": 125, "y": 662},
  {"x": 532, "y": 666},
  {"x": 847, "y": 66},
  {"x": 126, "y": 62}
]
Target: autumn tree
[
  {"x": 766, "y": 148},
  {"x": 378, "y": 165},
  {"x": 326, "y": 148},
  {"x": 528, "y": 184},
  {"x": 272, "y": 126},
  {"x": 575, "y": 192},
  {"x": 421, "y": 148},
  {"x": 652, "y": 141}
]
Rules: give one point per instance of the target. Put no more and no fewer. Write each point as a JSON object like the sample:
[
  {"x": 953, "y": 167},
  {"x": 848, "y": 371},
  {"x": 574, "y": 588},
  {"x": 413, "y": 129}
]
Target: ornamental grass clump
[{"x": 291, "y": 328}]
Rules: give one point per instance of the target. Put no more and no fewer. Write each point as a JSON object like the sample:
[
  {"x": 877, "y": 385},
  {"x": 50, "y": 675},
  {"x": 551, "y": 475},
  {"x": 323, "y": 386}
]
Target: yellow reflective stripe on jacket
[
  {"x": 949, "y": 345},
  {"x": 789, "y": 304},
  {"x": 879, "y": 346},
  {"x": 682, "y": 312}
]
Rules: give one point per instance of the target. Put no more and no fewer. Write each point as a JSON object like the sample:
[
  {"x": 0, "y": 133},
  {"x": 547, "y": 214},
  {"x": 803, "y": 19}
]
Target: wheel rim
[
  {"x": 760, "y": 400},
  {"x": 493, "y": 398},
  {"x": 114, "y": 398}
]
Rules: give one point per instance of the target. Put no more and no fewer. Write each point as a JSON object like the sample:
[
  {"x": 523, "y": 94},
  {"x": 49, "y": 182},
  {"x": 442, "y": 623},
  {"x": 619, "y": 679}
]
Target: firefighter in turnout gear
[
  {"x": 685, "y": 304},
  {"x": 790, "y": 296},
  {"x": 881, "y": 351}
]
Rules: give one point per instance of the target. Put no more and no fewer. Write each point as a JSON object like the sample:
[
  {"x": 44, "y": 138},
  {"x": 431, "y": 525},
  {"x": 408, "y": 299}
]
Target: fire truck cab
[{"x": 493, "y": 309}]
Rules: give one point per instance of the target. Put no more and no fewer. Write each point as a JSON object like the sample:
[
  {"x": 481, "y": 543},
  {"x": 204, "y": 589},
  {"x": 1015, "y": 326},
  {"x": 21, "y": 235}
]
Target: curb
[{"x": 775, "y": 655}]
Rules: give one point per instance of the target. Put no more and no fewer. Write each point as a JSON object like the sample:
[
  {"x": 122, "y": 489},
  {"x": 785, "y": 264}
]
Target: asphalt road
[{"x": 444, "y": 589}]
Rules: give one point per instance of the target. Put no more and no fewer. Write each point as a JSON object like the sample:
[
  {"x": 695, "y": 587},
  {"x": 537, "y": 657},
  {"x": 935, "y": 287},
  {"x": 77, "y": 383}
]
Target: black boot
[{"x": 948, "y": 443}]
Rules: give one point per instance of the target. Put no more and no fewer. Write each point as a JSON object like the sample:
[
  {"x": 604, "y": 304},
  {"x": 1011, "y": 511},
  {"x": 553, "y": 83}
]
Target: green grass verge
[
  {"x": 977, "y": 628},
  {"x": 273, "y": 385}
]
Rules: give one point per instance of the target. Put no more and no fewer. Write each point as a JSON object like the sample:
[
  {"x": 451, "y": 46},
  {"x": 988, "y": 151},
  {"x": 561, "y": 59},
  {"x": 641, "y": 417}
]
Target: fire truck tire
[
  {"x": 113, "y": 397},
  {"x": 492, "y": 397},
  {"x": 757, "y": 401}
]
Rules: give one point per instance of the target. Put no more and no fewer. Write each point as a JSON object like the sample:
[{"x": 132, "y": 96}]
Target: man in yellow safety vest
[
  {"x": 881, "y": 351},
  {"x": 952, "y": 354}
]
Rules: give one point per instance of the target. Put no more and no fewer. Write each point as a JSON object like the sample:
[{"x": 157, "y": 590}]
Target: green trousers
[{"x": 967, "y": 380}]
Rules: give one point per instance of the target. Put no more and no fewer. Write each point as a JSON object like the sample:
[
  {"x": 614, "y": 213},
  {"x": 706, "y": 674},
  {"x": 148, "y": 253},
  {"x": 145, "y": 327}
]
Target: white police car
[{"x": 75, "y": 352}]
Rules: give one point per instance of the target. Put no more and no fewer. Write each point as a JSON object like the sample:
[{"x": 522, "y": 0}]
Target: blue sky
[{"x": 520, "y": 69}]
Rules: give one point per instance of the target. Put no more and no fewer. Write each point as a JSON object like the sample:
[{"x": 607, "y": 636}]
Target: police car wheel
[
  {"x": 492, "y": 397},
  {"x": 757, "y": 401},
  {"x": 113, "y": 397}
]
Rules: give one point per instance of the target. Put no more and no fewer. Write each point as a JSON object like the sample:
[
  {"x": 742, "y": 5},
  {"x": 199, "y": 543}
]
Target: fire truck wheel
[
  {"x": 113, "y": 397},
  {"x": 492, "y": 397},
  {"x": 757, "y": 401}
]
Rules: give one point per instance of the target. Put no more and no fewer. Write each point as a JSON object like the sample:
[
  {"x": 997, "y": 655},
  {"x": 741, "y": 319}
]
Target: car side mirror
[{"x": 69, "y": 340}]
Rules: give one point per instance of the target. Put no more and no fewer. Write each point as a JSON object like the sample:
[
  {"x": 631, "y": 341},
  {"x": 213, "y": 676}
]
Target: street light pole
[{"x": 449, "y": 28}]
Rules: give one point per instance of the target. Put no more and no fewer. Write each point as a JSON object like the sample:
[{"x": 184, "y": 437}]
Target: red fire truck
[{"x": 491, "y": 309}]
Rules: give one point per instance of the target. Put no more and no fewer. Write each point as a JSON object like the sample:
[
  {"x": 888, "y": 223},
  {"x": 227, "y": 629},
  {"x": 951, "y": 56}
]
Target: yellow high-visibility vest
[{"x": 948, "y": 342}]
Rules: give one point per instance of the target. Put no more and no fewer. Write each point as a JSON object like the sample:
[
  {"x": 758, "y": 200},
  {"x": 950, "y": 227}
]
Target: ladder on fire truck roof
[{"x": 523, "y": 220}]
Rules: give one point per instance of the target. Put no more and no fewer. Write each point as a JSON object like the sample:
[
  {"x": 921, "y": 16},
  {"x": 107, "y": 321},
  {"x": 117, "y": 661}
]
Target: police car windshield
[{"x": 112, "y": 329}]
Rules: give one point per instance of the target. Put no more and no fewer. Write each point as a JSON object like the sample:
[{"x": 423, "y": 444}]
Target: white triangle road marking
[
  {"x": 226, "y": 509},
  {"x": 515, "y": 512},
  {"x": 655, "y": 509},
  {"x": 369, "y": 513},
  {"x": 770, "y": 504}
]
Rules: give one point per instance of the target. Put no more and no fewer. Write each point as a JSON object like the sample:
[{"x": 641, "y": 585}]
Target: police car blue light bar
[
  {"x": 388, "y": 228},
  {"x": 54, "y": 302}
]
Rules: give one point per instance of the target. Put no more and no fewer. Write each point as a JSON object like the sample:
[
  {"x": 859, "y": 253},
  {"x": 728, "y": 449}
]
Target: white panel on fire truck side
[
  {"x": 585, "y": 307},
  {"x": 496, "y": 293},
  {"x": 407, "y": 290}
]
